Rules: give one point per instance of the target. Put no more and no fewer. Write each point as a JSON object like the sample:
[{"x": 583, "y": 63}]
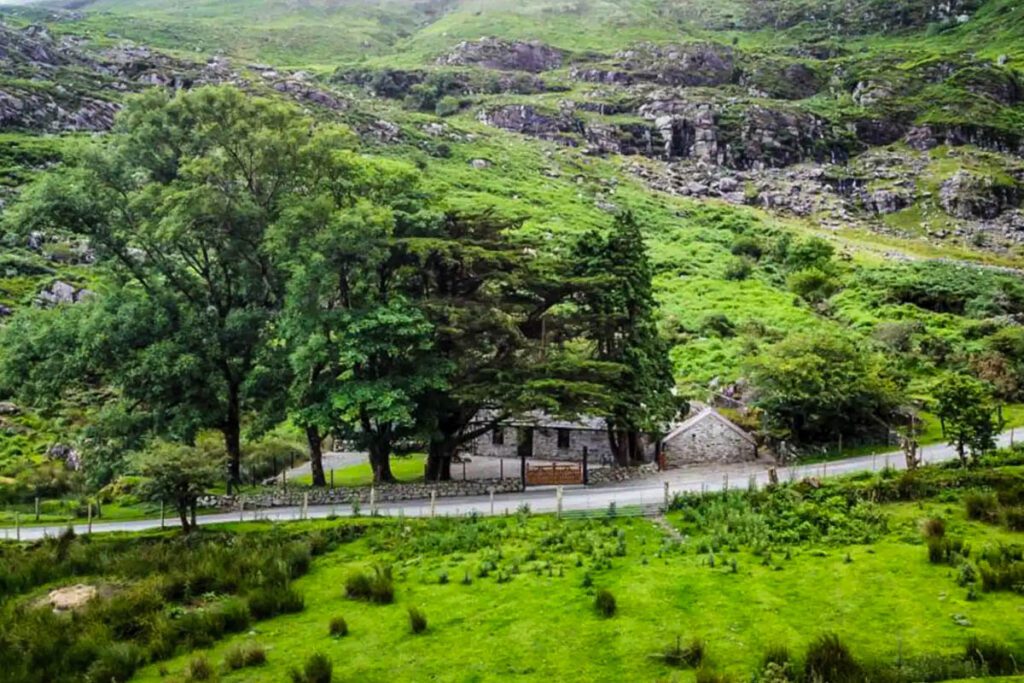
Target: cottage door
[{"x": 525, "y": 442}]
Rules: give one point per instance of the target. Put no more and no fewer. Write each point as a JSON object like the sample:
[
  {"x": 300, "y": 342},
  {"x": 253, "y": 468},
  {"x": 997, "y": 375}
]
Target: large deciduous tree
[
  {"x": 970, "y": 419},
  {"x": 814, "y": 387},
  {"x": 619, "y": 312},
  {"x": 176, "y": 203}
]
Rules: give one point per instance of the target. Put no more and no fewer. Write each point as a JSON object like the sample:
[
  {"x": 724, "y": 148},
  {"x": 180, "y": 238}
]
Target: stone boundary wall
[
  {"x": 605, "y": 475},
  {"x": 390, "y": 493},
  {"x": 385, "y": 493}
]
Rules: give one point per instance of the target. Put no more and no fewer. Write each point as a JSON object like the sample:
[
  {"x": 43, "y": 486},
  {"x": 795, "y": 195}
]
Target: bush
[
  {"x": 738, "y": 269},
  {"x": 338, "y": 627},
  {"x": 708, "y": 676},
  {"x": 318, "y": 669},
  {"x": 828, "y": 659},
  {"x": 604, "y": 603},
  {"x": 199, "y": 669},
  {"x": 116, "y": 663},
  {"x": 244, "y": 655},
  {"x": 934, "y": 527},
  {"x": 776, "y": 654},
  {"x": 378, "y": 587},
  {"x": 982, "y": 506},
  {"x": 269, "y": 601},
  {"x": 417, "y": 620},
  {"x": 1015, "y": 518},
  {"x": 992, "y": 658}
]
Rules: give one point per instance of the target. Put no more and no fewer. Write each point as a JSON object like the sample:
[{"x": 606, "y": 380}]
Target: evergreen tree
[{"x": 619, "y": 312}]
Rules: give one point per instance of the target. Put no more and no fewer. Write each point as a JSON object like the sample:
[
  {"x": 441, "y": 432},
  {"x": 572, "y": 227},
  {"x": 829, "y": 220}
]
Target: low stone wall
[
  {"x": 604, "y": 475},
  {"x": 384, "y": 493}
]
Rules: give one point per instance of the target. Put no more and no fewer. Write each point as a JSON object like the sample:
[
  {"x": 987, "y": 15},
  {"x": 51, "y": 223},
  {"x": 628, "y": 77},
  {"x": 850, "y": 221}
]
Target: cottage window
[
  {"x": 498, "y": 436},
  {"x": 563, "y": 438}
]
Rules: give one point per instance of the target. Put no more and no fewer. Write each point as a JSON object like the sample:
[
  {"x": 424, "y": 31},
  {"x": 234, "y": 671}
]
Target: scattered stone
[
  {"x": 480, "y": 164},
  {"x": 961, "y": 620},
  {"x": 61, "y": 292},
  {"x": 63, "y": 453},
  {"x": 71, "y": 597},
  {"x": 8, "y": 408}
]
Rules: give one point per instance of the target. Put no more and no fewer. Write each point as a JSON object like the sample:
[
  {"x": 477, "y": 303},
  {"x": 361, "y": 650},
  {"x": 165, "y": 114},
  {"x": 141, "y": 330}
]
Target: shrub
[
  {"x": 982, "y": 506},
  {"x": 199, "y": 669},
  {"x": 116, "y": 663},
  {"x": 318, "y": 669},
  {"x": 243, "y": 655},
  {"x": 417, "y": 620},
  {"x": 708, "y": 676},
  {"x": 232, "y": 615},
  {"x": 738, "y": 268},
  {"x": 992, "y": 658},
  {"x": 338, "y": 627},
  {"x": 1015, "y": 518},
  {"x": 378, "y": 587},
  {"x": 776, "y": 654},
  {"x": 604, "y": 602},
  {"x": 828, "y": 659},
  {"x": 269, "y": 601},
  {"x": 934, "y": 527}
]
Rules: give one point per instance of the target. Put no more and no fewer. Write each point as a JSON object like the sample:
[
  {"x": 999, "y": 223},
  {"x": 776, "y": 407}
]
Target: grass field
[
  {"x": 405, "y": 468},
  {"x": 533, "y": 617}
]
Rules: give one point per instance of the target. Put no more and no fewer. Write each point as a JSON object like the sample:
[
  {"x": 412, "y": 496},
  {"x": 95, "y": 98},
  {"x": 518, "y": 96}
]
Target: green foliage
[
  {"x": 992, "y": 658},
  {"x": 828, "y": 659},
  {"x": 177, "y": 475},
  {"x": 619, "y": 313},
  {"x": 338, "y": 627},
  {"x": 377, "y": 587},
  {"x": 604, "y": 603},
  {"x": 969, "y": 418},
  {"x": 244, "y": 655},
  {"x": 417, "y": 620},
  {"x": 317, "y": 669},
  {"x": 813, "y": 387}
]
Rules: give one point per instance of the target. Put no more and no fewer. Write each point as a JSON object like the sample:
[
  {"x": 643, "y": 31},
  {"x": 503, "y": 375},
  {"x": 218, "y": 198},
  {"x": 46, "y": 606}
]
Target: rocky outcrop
[
  {"x": 887, "y": 200},
  {"x": 699, "y": 64},
  {"x": 61, "y": 292},
  {"x": 778, "y": 80},
  {"x": 508, "y": 55},
  {"x": 60, "y": 452},
  {"x": 522, "y": 118},
  {"x": 968, "y": 195}
]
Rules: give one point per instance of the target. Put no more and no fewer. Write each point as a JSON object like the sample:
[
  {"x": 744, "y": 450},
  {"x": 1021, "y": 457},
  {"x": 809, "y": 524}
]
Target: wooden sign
[{"x": 555, "y": 474}]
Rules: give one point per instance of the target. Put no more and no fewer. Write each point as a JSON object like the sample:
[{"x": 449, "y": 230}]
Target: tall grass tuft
[
  {"x": 604, "y": 603},
  {"x": 828, "y": 659}
]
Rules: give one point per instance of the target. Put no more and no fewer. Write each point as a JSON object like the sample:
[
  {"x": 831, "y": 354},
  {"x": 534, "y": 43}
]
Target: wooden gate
[{"x": 555, "y": 474}]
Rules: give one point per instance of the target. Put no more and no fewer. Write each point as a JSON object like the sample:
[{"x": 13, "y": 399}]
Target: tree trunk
[
  {"x": 636, "y": 448},
  {"x": 183, "y": 515},
  {"x": 193, "y": 507},
  {"x": 316, "y": 456},
  {"x": 233, "y": 438},
  {"x": 617, "y": 442},
  {"x": 380, "y": 462},
  {"x": 439, "y": 460}
]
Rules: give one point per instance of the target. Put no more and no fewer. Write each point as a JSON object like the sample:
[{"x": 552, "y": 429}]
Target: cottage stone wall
[
  {"x": 545, "y": 445},
  {"x": 708, "y": 440}
]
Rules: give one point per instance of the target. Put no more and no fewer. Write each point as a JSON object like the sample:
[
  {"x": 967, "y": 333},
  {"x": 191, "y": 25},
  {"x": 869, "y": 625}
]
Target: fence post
[
  {"x": 586, "y": 471},
  {"x": 332, "y": 480},
  {"x": 725, "y": 482},
  {"x": 17, "y": 525},
  {"x": 161, "y": 514},
  {"x": 241, "y": 509},
  {"x": 37, "y": 508},
  {"x": 373, "y": 501},
  {"x": 668, "y": 499},
  {"x": 463, "y": 469},
  {"x": 492, "y": 501},
  {"x": 558, "y": 502},
  {"x": 305, "y": 504},
  {"x": 89, "y": 506}
]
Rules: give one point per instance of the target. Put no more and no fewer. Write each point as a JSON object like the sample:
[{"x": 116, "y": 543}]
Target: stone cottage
[
  {"x": 538, "y": 435},
  {"x": 707, "y": 437}
]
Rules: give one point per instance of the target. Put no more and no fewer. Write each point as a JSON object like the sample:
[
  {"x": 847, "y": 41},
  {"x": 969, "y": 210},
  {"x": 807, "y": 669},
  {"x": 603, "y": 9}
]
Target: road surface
[{"x": 642, "y": 492}]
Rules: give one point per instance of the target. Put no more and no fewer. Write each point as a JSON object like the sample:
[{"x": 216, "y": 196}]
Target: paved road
[{"x": 643, "y": 492}]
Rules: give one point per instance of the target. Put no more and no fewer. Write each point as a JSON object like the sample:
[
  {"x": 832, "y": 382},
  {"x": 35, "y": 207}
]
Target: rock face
[
  {"x": 701, "y": 64},
  {"x": 967, "y": 195},
  {"x": 495, "y": 53},
  {"x": 66, "y": 454}
]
